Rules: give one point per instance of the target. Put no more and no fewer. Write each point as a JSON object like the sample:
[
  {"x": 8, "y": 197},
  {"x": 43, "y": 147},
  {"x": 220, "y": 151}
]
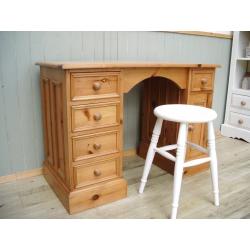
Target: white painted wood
[
  {"x": 239, "y": 120},
  {"x": 151, "y": 153},
  {"x": 238, "y": 99},
  {"x": 168, "y": 147},
  {"x": 242, "y": 92},
  {"x": 234, "y": 132},
  {"x": 185, "y": 113},
  {"x": 240, "y": 111},
  {"x": 178, "y": 171},
  {"x": 196, "y": 162},
  {"x": 231, "y": 74},
  {"x": 165, "y": 154},
  {"x": 243, "y": 59},
  {"x": 213, "y": 163},
  {"x": 198, "y": 147}
]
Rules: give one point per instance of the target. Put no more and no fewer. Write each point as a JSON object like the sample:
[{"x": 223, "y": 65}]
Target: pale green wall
[{"x": 21, "y": 143}]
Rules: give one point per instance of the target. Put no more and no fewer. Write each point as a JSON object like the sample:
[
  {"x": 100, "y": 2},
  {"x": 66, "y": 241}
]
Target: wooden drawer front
[
  {"x": 197, "y": 131},
  {"x": 240, "y": 101},
  {"x": 95, "y": 116},
  {"x": 97, "y": 195},
  {"x": 87, "y": 85},
  {"x": 201, "y": 80},
  {"x": 97, "y": 172},
  {"x": 240, "y": 120},
  {"x": 89, "y": 146}
]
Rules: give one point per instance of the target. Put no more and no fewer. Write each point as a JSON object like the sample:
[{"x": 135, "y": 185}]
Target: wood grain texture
[
  {"x": 97, "y": 195},
  {"x": 202, "y": 80},
  {"x": 204, "y": 33},
  {"x": 131, "y": 64},
  {"x": 85, "y": 116},
  {"x": 62, "y": 88},
  {"x": 87, "y": 85},
  {"x": 158, "y": 91},
  {"x": 21, "y": 109},
  {"x": 76, "y": 136},
  {"x": 84, "y": 147},
  {"x": 33, "y": 198},
  {"x": 131, "y": 77},
  {"x": 97, "y": 172},
  {"x": 38, "y": 171},
  {"x": 21, "y": 175}
]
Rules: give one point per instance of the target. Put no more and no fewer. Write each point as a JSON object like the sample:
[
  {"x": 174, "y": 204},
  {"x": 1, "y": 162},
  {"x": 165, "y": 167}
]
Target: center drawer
[
  {"x": 95, "y": 116},
  {"x": 99, "y": 144},
  {"x": 96, "y": 172}
]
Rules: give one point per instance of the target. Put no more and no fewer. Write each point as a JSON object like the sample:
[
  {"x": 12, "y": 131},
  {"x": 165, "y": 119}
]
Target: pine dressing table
[{"x": 82, "y": 106}]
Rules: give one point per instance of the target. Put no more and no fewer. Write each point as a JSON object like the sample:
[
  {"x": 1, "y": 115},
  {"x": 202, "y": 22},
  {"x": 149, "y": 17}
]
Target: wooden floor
[{"x": 33, "y": 198}]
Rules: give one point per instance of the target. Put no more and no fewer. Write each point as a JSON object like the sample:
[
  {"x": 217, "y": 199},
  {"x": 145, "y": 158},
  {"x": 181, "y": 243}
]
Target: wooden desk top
[{"x": 95, "y": 65}]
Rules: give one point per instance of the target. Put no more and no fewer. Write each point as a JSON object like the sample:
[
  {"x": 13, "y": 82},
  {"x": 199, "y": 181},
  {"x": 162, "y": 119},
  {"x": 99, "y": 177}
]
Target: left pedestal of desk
[{"x": 82, "y": 121}]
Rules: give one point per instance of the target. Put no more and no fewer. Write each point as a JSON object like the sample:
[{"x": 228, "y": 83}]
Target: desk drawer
[
  {"x": 97, "y": 195},
  {"x": 240, "y": 101},
  {"x": 201, "y": 80},
  {"x": 95, "y": 116},
  {"x": 93, "y": 85},
  {"x": 239, "y": 120},
  {"x": 99, "y": 144},
  {"x": 96, "y": 172}
]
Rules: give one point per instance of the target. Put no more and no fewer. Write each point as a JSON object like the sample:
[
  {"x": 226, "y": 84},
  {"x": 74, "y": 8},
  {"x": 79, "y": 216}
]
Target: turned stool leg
[
  {"x": 178, "y": 171},
  {"x": 213, "y": 162},
  {"x": 151, "y": 153}
]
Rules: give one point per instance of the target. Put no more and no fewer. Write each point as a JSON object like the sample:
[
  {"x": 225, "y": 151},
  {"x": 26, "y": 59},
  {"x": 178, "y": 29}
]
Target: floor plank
[{"x": 33, "y": 198}]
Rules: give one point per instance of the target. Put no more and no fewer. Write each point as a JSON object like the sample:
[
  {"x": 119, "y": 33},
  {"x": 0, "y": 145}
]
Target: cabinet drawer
[
  {"x": 201, "y": 80},
  {"x": 89, "y": 146},
  {"x": 95, "y": 116},
  {"x": 96, "y": 172},
  {"x": 97, "y": 195},
  {"x": 87, "y": 85},
  {"x": 240, "y": 120},
  {"x": 240, "y": 101},
  {"x": 197, "y": 131}
]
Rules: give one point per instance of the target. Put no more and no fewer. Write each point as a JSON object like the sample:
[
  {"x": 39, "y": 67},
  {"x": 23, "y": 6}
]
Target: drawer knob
[
  {"x": 97, "y": 146},
  {"x": 203, "y": 81},
  {"x": 190, "y": 128},
  {"x": 95, "y": 197},
  {"x": 97, "y": 116},
  {"x": 97, "y": 86},
  {"x": 243, "y": 103},
  {"x": 97, "y": 172},
  {"x": 240, "y": 121}
]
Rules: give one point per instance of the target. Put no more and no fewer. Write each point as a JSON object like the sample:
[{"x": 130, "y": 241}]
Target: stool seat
[{"x": 185, "y": 113}]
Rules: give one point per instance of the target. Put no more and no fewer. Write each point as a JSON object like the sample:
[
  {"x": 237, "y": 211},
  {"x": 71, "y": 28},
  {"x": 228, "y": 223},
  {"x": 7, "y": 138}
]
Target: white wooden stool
[{"x": 183, "y": 114}]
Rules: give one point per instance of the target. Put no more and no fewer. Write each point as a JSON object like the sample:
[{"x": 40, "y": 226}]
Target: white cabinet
[{"x": 237, "y": 117}]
